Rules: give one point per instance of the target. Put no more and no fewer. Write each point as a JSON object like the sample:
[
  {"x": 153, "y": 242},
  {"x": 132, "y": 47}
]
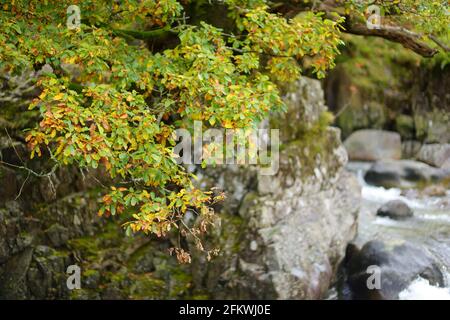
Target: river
[{"x": 428, "y": 229}]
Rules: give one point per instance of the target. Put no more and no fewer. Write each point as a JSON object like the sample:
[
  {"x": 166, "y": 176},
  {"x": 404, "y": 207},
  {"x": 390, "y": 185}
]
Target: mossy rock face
[
  {"x": 57, "y": 223},
  {"x": 364, "y": 89},
  {"x": 13, "y": 277},
  {"x": 147, "y": 287},
  {"x": 16, "y": 118},
  {"x": 47, "y": 274},
  {"x": 19, "y": 91},
  {"x": 306, "y": 110},
  {"x": 304, "y": 128},
  {"x": 91, "y": 278},
  {"x": 60, "y": 227},
  {"x": 432, "y": 127},
  {"x": 362, "y": 115},
  {"x": 114, "y": 266},
  {"x": 405, "y": 126},
  {"x": 143, "y": 260},
  {"x": 313, "y": 148},
  {"x": 36, "y": 273},
  {"x": 119, "y": 267},
  {"x": 380, "y": 85},
  {"x": 255, "y": 246}
]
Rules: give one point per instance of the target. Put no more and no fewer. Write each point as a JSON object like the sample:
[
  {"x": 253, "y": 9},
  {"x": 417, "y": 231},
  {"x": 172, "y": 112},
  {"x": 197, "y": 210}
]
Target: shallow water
[{"x": 429, "y": 228}]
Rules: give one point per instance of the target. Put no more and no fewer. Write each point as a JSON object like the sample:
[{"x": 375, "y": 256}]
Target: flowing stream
[{"x": 429, "y": 228}]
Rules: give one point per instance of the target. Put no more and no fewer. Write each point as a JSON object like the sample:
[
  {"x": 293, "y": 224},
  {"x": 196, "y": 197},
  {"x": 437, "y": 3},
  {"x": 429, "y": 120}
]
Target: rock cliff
[{"x": 281, "y": 236}]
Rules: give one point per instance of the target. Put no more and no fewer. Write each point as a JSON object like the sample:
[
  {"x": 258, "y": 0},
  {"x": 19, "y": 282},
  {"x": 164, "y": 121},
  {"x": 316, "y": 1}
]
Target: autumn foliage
[{"x": 112, "y": 100}]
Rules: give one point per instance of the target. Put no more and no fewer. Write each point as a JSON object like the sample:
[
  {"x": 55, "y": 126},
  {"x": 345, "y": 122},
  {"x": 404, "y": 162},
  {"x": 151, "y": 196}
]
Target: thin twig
[
  {"x": 37, "y": 174},
  {"x": 12, "y": 145},
  {"x": 21, "y": 188}
]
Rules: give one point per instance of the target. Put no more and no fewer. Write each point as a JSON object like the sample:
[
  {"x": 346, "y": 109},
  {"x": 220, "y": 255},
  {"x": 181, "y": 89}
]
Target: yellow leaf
[{"x": 59, "y": 96}]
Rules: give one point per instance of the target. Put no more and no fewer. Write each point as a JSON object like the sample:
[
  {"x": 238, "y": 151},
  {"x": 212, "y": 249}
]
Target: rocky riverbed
[{"x": 413, "y": 252}]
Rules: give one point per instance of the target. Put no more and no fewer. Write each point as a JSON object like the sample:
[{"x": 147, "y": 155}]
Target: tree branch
[
  {"x": 355, "y": 25},
  {"x": 405, "y": 37},
  {"x": 439, "y": 42},
  {"x": 145, "y": 35}
]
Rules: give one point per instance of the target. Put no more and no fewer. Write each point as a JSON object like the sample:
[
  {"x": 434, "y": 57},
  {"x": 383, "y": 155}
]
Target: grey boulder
[
  {"x": 435, "y": 154},
  {"x": 395, "y": 263},
  {"x": 404, "y": 174},
  {"x": 395, "y": 209},
  {"x": 373, "y": 145}
]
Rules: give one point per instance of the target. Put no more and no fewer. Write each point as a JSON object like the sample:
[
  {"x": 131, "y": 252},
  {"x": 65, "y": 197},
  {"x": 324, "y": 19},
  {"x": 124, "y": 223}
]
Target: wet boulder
[
  {"x": 395, "y": 209},
  {"x": 435, "y": 154},
  {"x": 373, "y": 145},
  {"x": 404, "y": 174},
  {"x": 396, "y": 264}
]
